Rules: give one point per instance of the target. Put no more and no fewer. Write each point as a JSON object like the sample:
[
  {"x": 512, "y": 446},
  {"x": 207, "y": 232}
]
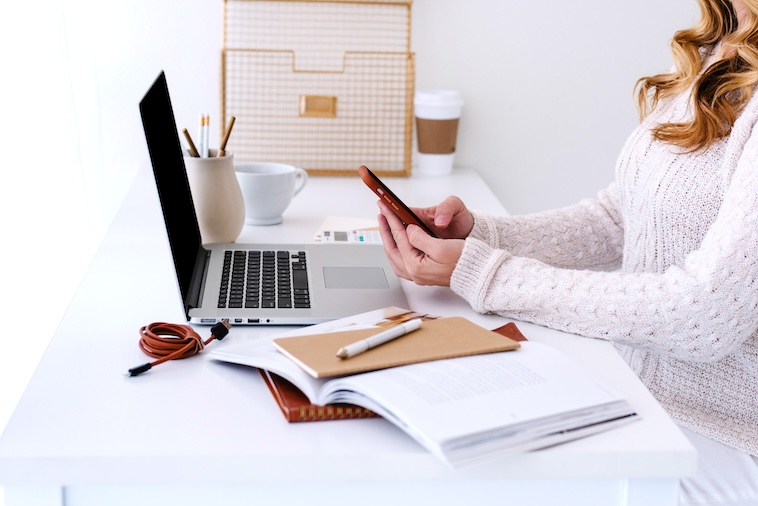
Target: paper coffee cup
[{"x": 437, "y": 116}]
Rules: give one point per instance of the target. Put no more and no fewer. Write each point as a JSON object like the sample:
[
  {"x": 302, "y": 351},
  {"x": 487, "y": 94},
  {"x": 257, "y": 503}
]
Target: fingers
[
  {"x": 418, "y": 239},
  {"x": 437, "y": 259},
  {"x": 396, "y": 229},
  {"x": 390, "y": 248},
  {"x": 414, "y": 254}
]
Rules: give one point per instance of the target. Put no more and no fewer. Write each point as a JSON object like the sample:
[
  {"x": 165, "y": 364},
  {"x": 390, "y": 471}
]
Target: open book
[{"x": 465, "y": 409}]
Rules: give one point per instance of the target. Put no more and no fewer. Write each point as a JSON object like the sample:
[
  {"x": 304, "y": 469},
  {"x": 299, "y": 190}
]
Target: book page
[
  {"x": 263, "y": 355},
  {"x": 438, "y": 402}
]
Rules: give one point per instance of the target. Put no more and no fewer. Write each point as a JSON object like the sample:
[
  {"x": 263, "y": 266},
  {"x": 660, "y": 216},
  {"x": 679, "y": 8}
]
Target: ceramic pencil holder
[{"x": 217, "y": 197}]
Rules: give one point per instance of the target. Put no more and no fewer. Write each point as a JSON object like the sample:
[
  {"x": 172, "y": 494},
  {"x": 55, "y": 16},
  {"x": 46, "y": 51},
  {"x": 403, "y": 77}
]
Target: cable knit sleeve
[
  {"x": 700, "y": 309},
  {"x": 589, "y": 235}
]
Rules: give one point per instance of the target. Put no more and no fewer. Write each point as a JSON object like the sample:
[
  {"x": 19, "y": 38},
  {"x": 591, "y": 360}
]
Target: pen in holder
[{"x": 217, "y": 196}]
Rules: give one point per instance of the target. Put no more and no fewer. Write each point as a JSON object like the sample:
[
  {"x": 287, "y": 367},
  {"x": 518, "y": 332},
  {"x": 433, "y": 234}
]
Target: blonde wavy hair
[{"x": 721, "y": 91}]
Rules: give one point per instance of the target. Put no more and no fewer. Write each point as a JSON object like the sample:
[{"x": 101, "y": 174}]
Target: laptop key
[{"x": 299, "y": 279}]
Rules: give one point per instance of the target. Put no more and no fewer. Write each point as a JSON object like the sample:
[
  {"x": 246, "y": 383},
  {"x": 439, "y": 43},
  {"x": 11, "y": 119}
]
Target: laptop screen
[{"x": 171, "y": 180}]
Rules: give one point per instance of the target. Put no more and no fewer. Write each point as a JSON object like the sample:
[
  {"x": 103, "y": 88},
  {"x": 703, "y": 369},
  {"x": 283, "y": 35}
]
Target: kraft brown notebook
[
  {"x": 296, "y": 407},
  {"x": 436, "y": 340}
]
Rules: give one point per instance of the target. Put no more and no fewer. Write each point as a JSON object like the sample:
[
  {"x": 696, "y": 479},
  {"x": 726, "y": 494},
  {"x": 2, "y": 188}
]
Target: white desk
[{"x": 195, "y": 432}]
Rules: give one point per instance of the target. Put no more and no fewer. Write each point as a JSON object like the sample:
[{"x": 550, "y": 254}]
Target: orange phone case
[{"x": 401, "y": 210}]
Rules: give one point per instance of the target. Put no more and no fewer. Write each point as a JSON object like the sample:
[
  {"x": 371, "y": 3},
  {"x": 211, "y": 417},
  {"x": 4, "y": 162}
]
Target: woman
[{"x": 664, "y": 263}]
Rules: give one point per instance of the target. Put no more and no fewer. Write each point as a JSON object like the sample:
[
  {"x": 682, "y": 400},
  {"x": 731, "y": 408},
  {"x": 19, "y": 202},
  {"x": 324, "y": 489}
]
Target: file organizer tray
[{"x": 326, "y": 86}]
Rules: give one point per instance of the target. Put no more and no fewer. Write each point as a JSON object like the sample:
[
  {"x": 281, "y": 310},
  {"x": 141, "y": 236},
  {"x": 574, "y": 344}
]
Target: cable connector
[
  {"x": 221, "y": 329},
  {"x": 134, "y": 371}
]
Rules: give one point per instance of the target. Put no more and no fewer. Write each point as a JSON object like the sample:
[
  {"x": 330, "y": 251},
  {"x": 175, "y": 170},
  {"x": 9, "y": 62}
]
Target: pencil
[
  {"x": 228, "y": 132},
  {"x": 192, "y": 149}
]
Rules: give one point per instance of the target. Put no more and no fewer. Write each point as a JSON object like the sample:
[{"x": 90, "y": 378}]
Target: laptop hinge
[{"x": 197, "y": 285}]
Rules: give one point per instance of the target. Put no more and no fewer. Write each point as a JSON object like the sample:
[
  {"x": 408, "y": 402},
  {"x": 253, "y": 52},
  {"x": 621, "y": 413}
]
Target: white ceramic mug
[{"x": 268, "y": 189}]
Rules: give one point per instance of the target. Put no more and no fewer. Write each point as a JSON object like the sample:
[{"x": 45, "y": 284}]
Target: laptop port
[{"x": 253, "y": 320}]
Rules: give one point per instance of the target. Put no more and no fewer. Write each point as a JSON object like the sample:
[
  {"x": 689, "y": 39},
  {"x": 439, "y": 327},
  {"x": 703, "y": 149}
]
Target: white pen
[
  {"x": 359, "y": 347},
  {"x": 201, "y": 137},
  {"x": 206, "y": 137}
]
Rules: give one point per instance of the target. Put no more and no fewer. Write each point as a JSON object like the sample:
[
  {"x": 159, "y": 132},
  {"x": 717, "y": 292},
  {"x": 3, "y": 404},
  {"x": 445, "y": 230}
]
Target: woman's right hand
[{"x": 450, "y": 219}]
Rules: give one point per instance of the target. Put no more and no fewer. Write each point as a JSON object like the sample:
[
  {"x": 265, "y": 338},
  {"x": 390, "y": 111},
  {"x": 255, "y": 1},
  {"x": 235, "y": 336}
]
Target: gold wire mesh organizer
[{"x": 324, "y": 85}]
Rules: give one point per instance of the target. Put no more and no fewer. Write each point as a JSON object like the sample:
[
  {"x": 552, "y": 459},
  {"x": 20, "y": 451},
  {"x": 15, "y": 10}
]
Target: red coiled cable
[{"x": 171, "y": 341}]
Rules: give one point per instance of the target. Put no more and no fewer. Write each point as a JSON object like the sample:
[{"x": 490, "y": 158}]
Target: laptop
[{"x": 255, "y": 284}]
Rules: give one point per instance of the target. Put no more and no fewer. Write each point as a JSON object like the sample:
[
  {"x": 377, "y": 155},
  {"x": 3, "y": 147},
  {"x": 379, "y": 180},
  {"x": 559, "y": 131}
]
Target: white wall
[
  {"x": 548, "y": 85},
  {"x": 548, "y": 105},
  {"x": 73, "y": 72}
]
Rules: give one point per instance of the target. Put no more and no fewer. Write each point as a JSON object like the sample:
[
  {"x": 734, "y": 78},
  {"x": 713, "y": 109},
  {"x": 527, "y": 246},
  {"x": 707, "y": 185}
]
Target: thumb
[
  {"x": 446, "y": 210},
  {"x": 443, "y": 215}
]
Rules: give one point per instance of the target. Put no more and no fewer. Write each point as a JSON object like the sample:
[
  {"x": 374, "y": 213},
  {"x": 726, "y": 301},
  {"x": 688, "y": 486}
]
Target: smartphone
[{"x": 401, "y": 210}]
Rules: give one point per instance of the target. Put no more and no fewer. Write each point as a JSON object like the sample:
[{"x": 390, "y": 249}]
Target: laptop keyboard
[{"x": 264, "y": 279}]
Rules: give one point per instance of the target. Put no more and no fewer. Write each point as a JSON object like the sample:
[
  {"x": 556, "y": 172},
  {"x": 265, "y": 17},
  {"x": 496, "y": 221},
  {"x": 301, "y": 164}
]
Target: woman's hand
[
  {"x": 450, "y": 219},
  {"x": 417, "y": 256}
]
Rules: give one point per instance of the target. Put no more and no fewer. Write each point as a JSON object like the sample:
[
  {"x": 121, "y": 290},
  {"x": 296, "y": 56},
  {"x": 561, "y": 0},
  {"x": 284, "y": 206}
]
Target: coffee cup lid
[
  {"x": 438, "y": 104},
  {"x": 439, "y": 97}
]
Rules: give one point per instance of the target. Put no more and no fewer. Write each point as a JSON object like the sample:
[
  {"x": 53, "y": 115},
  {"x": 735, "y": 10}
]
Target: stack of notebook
[
  {"x": 296, "y": 407},
  {"x": 465, "y": 393}
]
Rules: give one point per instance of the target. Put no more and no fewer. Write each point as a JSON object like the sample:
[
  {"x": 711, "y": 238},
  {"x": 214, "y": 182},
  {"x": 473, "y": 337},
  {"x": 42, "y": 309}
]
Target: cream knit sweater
[{"x": 664, "y": 264}]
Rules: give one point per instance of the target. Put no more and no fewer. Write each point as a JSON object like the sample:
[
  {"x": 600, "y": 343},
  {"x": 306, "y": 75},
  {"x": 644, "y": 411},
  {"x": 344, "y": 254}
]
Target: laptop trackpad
[{"x": 355, "y": 277}]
